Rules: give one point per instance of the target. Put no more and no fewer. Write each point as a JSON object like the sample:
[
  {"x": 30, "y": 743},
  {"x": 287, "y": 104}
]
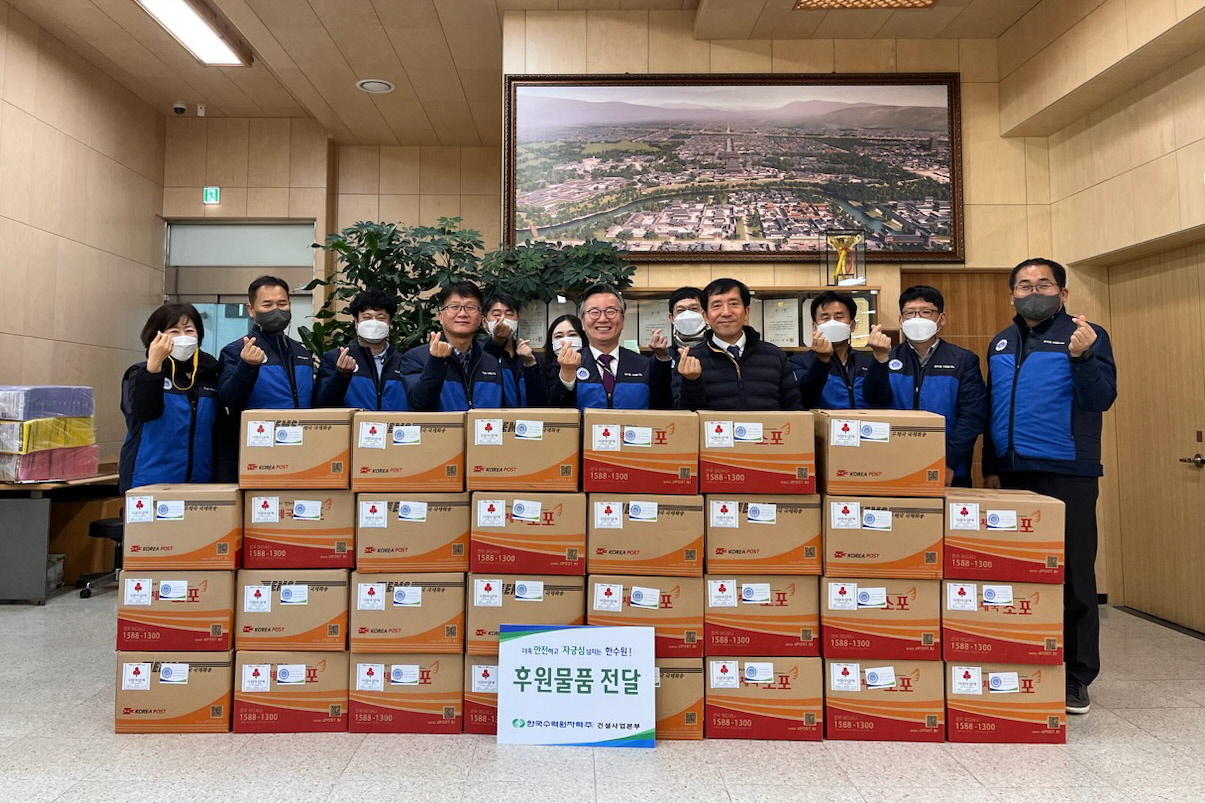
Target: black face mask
[
  {"x": 274, "y": 321},
  {"x": 1037, "y": 307}
]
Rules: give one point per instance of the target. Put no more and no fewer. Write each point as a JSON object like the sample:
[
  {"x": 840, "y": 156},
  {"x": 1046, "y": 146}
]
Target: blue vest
[
  {"x": 631, "y": 382},
  {"x": 178, "y": 446}
]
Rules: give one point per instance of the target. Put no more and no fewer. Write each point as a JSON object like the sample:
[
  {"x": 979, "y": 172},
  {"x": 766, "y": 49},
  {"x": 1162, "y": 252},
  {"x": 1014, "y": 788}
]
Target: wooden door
[{"x": 1158, "y": 328}]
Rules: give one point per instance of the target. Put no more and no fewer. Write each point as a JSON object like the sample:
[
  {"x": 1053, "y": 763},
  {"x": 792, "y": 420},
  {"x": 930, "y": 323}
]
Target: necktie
[
  {"x": 735, "y": 351},
  {"x": 608, "y": 378}
]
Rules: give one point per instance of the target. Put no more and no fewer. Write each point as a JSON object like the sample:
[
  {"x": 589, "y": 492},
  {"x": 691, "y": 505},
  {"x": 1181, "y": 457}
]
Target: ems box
[
  {"x": 679, "y": 697},
  {"x": 870, "y": 618},
  {"x": 640, "y": 451},
  {"x": 412, "y": 532},
  {"x": 673, "y": 606},
  {"x": 405, "y": 693},
  {"x": 521, "y": 599},
  {"x": 1018, "y": 703},
  {"x": 308, "y": 529},
  {"x": 417, "y": 613},
  {"x": 175, "y": 610},
  {"x": 645, "y": 534},
  {"x": 868, "y": 536},
  {"x": 183, "y": 527},
  {"x": 881, "y": 452},
  {"x": 762, "y": 614},
  {"x": 295, "y": 448},
  {"x": 173, "y": 692},
  {"x": 764, "y": 697},
  {"x": 290, "y": 692},
  {"x": 884, "y": 701},
  {"x": 1003, "y": 536},
  {"x": 530, "y": 449},
  {"x": 520, "y": 532},
  {"x": 1018, "y": 623},
  {"x": 291, "y": 609},
  {"x": 393, "y": 452},
  {"x": 765, "y": 534}
]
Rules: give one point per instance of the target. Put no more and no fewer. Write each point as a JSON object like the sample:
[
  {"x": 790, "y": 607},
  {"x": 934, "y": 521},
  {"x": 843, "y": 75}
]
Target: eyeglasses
[
  {"x": 609, "y": 312},
  {"x": 456, "y": 309},
  {"x": 919, "y": 313},
  {"x": 1025, "y": 288}
]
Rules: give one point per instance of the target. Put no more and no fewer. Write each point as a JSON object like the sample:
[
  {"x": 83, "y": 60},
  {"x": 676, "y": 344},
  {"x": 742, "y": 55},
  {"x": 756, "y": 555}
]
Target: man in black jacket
[{"x": 733, "y": 368}]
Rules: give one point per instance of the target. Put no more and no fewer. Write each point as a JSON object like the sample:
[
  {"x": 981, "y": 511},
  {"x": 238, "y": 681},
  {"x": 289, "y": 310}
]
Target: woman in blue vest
[
  {"x": 368, "y": 373},
  {"x": 170, "y": 402}
]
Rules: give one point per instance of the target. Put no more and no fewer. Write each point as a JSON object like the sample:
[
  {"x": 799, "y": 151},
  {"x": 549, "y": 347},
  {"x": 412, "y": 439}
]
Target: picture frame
[{"x": 736, "y": 166}]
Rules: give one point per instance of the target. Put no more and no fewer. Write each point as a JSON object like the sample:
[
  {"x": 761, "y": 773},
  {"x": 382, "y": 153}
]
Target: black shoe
[{"x": 1077, "y": 697}]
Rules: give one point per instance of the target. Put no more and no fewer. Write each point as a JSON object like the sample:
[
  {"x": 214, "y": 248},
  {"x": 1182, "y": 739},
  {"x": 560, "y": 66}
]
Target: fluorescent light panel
[{"x": 193, "y": 31}]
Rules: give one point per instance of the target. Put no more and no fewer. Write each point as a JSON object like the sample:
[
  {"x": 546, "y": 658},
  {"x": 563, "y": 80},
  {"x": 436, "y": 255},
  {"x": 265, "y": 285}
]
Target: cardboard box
[
  {"x": 399, "y": 452},
  {"x": 660, "y": 536},
  {"x": 406, "y": 693},
  {"x": 295, "y": 448},
  {"x": 881, "y": 452},
  {"x": 867, "y": 618},
  {"x": 307, "y": 529},
  {"x": 679, "y": 698},
  {"x": 763, "y": 614},
  {"x": 183, "y": 527},
  {"x": 1009, "y": 536},
  {"x": 291, "y": 609},
  {"x": 904, "y": 701},
  {"x": 774, "y": 452},
  {"x": 672, "y": 605},
  {"x": 868, "y": 536},
  {"x": 192, "y": 697},
  {"x": 481, "y": 694},
  {"x": 764, "y": 697},
  {"x": 1014, "y": 623},
  {"x": 519, "y": 600},
  {"x": 175, "y": 610},
  {"x": 415, "y": 613},
  {"x": 537, "y": 533},
  {"x": 528, "y": 449},
  {"x": 290, "y": 692},
  {"x": 770, "y": 534},
  {"x": 1017, "y": 703},
  {"x": 640, "y": 451},
  {"x": 412, "y": 532}
]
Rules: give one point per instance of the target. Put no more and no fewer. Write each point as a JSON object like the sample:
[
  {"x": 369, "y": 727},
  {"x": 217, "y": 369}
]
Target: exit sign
[{"x": 211, "y": 195}]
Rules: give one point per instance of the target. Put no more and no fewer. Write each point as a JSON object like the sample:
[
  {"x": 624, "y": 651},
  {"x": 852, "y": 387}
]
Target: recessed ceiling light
[
  {"x": 835, "y": 4},
  {"x": 377, "y": 86},
  {"x": 201, "y": 30}
]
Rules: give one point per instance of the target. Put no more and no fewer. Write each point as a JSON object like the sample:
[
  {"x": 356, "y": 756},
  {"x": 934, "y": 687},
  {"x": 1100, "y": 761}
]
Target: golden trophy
[{"x": 846, "y": 257}]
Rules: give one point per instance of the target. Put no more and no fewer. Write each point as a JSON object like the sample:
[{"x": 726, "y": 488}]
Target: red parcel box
[
  {"x": 773, "y": 452},
  {"x": 540, "y": 533},
  {"x": 1006, "y": 703},
  {"x": 885, "y": 701},
  {"x": 175, "y": 610},
  {"x": 764, "y": 697},
  {"x": 406, "y": 693},
  {"x": 1003, "y": 536},
  {"x": 1016, "y": 623},
  {"x": 762, "y": 614},
  {"x": 290, "y": 692},
  {"x": 640, "y": 451}
]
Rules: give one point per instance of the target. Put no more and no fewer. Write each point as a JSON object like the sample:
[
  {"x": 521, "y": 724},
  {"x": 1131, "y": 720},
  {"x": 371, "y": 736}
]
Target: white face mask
[
  {"x": 183, "y": 347},
  {"x": 372, "y": 330},
  {"x": 834, "y": 331},
  {"x": 689, "y": 323},
  {"x": 919, "y": 330},
  {"x": 513, "y": 323},
  {"x": 574, "y": 342}
]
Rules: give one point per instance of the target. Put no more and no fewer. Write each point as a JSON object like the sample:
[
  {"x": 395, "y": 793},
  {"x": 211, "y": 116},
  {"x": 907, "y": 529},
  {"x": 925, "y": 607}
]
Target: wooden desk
[{"x": 25, "y": 516}]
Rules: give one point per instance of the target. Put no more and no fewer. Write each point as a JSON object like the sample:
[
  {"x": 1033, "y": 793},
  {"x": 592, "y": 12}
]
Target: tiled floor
[{"x": 1143, "y": 741}]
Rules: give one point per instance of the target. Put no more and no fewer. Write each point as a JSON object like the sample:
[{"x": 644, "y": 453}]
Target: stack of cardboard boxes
[
  {"x": 763, "y": 541},
  {"x": 357, "y": 577},
  {"x": 883, "y": 474},
  {"x": 1002, "y": 617}
]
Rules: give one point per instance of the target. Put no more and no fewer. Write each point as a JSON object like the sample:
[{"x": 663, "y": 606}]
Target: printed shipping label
[
  {"x": 608, "y": 515},
  {"x": 529, "y": 590},
  {"x": 407, "y": 435},
  {"x": 876, "y": 520},
  {"x": 997, "y": 595},
  {"x": 875, "y": 431},
  {"x": 725, "y": 674},
  {"x": 638, "y": 436},
  {"x": 295, "y": 594},
  {"x": 169, "y": 510},
  {"x": 290, "y": 436},
  {"x": 759, "y": 672},
  {"x": 719, "y": 434},
  {"x": 882, "y": 677},
  {"x": 843, "y": 432},
  {"x": 372, "y": 514},
  {"x": 967, "y": 679},
  {"x": 527, "y": 511},
  {"x": 414, "y": 512},
  {"x": 138, "y": 591},
  {"x": 257, "y": 599},
  {"x": 845, "y": 515},
  {"x": 487, "y": 593},
  {"x": 608, "y": 597},
  {"x": 175, "y": 674},
  {"x": 961, "y": 597},
  {"x": 642, "y": 511},
  {"x": 842, "y": 596},
  {"x": 290, "y": 674},
  {"x": 605, "y": 438},
  {"x": 265, "y": 509},
  {"x": 747, "y": 432},
  {"x": 529, "y": 430},
  {"x": 1003, "y": 682},
  {"x": 762, "y": 513},
  {"x": 408, "y": 596},
  {"x": 173, "y": 590},
  {"x": 261, "y": 433},
  {"x": 404, "y": 675},
  {"x": 1002, "y": 520},
  {"x": 307, "y": 510},
  {"x": 845, "y": 677},
  {"x": 964, "y": 517},
  {"x": 872, "y": 597},
  {"x": 140, "y": 509},
  {"x": 372, "y": 435},
  {"x": 487, "y": 432},
  {"x": 755, "y": 593},
  {"x": 647, "y": 598}
]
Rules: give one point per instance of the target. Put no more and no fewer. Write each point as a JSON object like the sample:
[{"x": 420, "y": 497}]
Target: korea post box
[
  {"x": 295, "y": 448},
  {"x": 881, "y": 452},
  {"x": 175, "y": 610},
  {"x": 527, "y": 449},
  {"x": 414, "y": 452},
  {"x": 173, "y": 692},
  {"x": 407, "y": 613},
  {"x": 648, "y": 534},
  {"x": 290, "y": 691},
  {"x": 1003, "y": 536},
  {"x": 183, "y": 527},
  {"x": 884, "y": 701},
  {"x": 520, "y": 532},
  {"x": 405, "y": 693},
  {"x": 640, "y": 451},
  {"x": 308, "y": 529},
  {"x": 764, "y": 534},
  {"x": 1006, "y": 703},
  {"x": 763, "y": 614},
  {"x": 412, "y": 532},
  {"x": 774, "y": 452},
  {"x": 764, "y": 697},
  {"x": 673, "y": 606},
  {"x": 1019, "y": 623}
]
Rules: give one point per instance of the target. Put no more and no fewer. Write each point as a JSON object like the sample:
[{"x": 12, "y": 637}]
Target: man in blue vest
[
  {"x": 1050, "y": 377},
  {"x": 609, "y": 375},
  {"x": 267, "y": 369},
  {"x": 832, "y": 372},
  {"x": 928, "y": 373},
  {"x": 368, "y": 373},
  {"x": 451, "y": 372}
]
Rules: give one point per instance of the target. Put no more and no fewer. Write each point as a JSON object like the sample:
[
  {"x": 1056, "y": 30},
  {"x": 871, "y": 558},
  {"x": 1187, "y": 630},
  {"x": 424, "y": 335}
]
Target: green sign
[{"x": 211, "y": 195}]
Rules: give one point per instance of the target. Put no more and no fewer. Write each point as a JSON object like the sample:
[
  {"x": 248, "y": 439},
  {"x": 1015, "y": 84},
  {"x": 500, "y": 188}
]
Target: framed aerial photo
[{"x": 737, "y": 167}]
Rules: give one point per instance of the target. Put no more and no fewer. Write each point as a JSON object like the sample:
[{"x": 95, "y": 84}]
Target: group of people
[{"x": 1050, "y": 376}]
